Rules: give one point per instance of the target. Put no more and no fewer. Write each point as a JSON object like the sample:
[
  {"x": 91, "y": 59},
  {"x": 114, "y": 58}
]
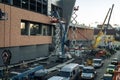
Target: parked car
[
  {"x": 88, "y": 73},
  {"x": 81, "y": 67},
  {"x": 56, "y": 78},
  {"x": 70, "y": 71},
  {"x": 110, "y": 69},
  {"x": 97, "y": 63},
  {"x": 114, "y": 61},
  {"x": 107, "y": 77}
]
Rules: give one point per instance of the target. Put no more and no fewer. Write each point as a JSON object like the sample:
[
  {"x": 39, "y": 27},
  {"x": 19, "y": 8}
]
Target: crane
[{"x": 101, "y": 33}]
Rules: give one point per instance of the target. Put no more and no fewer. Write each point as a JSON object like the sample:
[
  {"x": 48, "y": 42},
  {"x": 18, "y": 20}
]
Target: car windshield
[
  {"x": 64, "y": 74},
  {"x": 81, "y": 66},
  {"x": 88, "y": 70},
  {"x": 97, "y": 61},
  {"x": 115, "y": 58},
  {"x": 111, "y": 67},
  {"x": 107, "y": 78}
]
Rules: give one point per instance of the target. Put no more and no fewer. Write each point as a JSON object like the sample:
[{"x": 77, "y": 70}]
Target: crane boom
[{"x": 98, "y": 38}]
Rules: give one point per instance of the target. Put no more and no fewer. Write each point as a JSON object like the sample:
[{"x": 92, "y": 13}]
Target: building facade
[
  {"x": 26, "y": 28},
  {"x": 83, "y": 35}
]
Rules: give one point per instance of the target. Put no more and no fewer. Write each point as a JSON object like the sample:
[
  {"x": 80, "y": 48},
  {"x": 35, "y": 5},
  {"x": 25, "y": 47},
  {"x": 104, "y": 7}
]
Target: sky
[{"x": 94, "y": 11}]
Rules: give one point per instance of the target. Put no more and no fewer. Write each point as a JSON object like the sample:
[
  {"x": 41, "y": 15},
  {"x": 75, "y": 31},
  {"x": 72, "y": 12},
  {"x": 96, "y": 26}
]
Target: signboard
[{"x": 6, "y": 56}]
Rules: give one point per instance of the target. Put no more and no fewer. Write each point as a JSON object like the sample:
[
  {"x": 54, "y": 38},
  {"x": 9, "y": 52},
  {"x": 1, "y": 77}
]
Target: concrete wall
[{"x": 26, "y": 53}]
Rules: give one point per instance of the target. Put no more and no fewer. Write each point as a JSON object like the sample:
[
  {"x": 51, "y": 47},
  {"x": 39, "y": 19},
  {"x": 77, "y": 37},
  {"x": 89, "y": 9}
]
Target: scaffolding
[{"x": 74, "y": 25}]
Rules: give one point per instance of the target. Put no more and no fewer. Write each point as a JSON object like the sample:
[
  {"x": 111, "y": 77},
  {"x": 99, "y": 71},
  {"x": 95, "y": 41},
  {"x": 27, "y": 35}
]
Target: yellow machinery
[
  {"x": 101, "y": 33},
  {"x": 89, "y": 62}
]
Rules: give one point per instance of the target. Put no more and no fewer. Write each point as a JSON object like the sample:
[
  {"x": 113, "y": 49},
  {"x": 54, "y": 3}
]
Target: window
[
  {"x": 44, "y": 1},
  {"x": 34, "y": 28},
  {"x": 45, "y": 9},
  {"x": 6, "y": 1},
  {"x": 33, "y": 5},
  {"x": 25, "y": 4},
  {"x": 39, "y": 1},
  {"x": 38, "y": 29},
  {"x": 73, "y": 72},
  {"x": 49, "y": 31},
  {"x": 17, "y": 3},
  {"x": 44, "y": 29},
  {"x": 58, "y": 9},
  {"x": 53, "y": 31},
  {"x": 39, "y": 6},
  {"x": 24, "y": 28}
]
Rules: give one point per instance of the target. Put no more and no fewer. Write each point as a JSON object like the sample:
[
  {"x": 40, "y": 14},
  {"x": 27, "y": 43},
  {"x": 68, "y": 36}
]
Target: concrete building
[{"x": 26, "y": 29}]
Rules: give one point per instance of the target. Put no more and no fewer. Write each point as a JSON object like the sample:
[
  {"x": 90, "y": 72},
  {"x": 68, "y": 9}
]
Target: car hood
[
  {"x": 110, "y": 69},
  {"x": 96, "y": 64},
  {"x": 87, "y": 74},
  {"x": 65, "y": 78}
]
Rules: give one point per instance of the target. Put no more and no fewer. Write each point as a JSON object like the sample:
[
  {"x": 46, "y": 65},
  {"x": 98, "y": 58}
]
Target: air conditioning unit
[{"x": 3, "y": 15}]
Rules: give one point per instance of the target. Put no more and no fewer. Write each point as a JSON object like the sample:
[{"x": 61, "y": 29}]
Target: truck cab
[{"x": 70, "y": 71}]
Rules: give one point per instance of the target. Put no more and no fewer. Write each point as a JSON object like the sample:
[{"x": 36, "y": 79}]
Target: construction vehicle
[
  {"x": 99, "y": 53},
  {"x": 27, "y": 74},
  {"x": 101, "y": 33},
  {"x": 88, "y": 73},
  {"x": 89, "y": 62}
]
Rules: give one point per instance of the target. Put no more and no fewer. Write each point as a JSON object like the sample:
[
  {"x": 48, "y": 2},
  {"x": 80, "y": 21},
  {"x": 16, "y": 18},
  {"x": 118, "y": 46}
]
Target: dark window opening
[
  {"x": 25, "y": 4},
  {"x": 17, "y": 3},
  {"x": 45, "y": 9},
  {"x": 54, "y": 30},
  {"x": 40, "y": 1},
  {"x": 39, "y": 7},
  {"x": 58, "y": 9},
  {"x": 44, "y": 1},
  {"x": 33, "y": 5},
  {"x": 6, "y": 1},
  {"x": 34, "y": 28},
  {"x": 49, "y": 31},
  {"x": 39, "y": 29},
  {"x": 24, "y": 28},
  {"x": 45, "y": 29}
]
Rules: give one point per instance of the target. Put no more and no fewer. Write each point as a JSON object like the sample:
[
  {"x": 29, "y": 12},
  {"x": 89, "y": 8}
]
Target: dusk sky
[{"x": 91, "y": 11}]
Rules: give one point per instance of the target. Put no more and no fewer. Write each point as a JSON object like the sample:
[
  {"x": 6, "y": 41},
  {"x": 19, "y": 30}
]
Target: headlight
[
  {"x": 81, "y": 75},
  {"x": 92, "y": 76}
]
